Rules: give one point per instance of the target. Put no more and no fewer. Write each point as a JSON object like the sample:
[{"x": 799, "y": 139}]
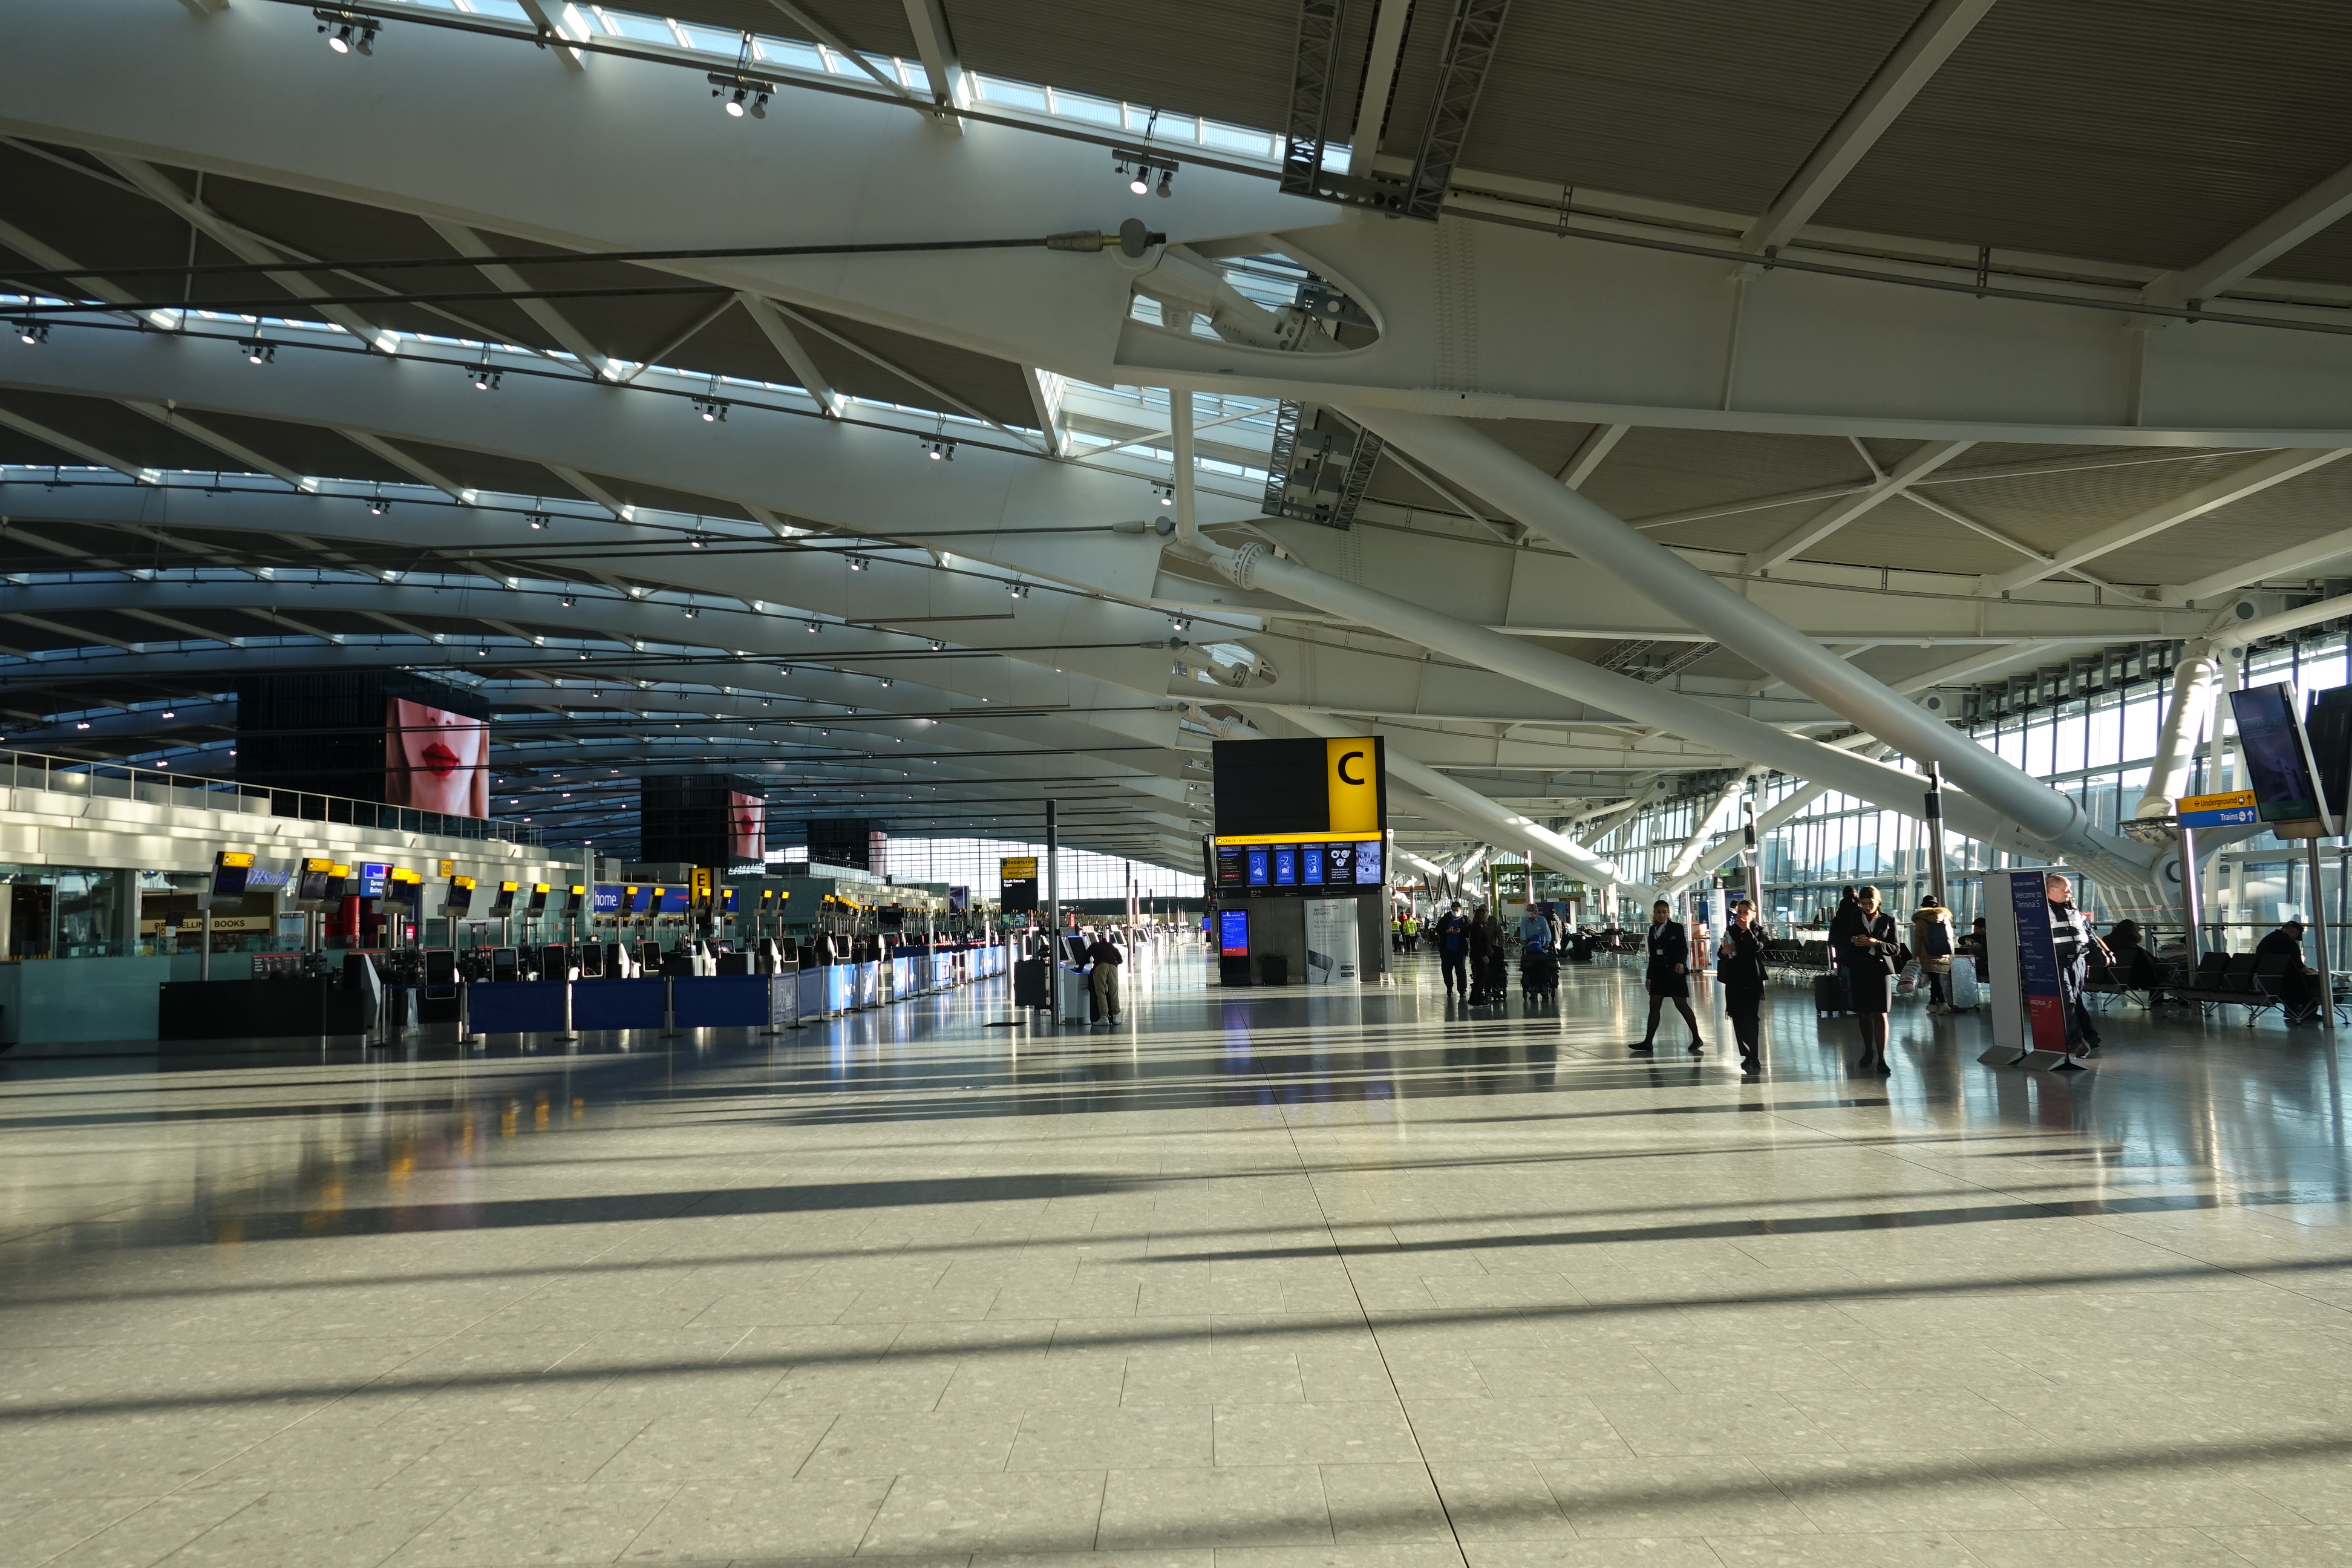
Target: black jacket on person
[
  {"x": 1850, "y": 924},
  {"x": 1669, "y": 945},
  {"x": 2285, "y": 944},
  {"x": 1742, "y": 969}
]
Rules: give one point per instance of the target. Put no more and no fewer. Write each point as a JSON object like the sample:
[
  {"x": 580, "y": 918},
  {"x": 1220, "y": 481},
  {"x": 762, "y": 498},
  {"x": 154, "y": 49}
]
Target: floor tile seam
[{"x": 1364, "y": 1317}]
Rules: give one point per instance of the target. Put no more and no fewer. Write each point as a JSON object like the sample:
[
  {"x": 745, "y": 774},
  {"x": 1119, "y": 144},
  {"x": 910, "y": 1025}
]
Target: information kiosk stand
[{"x": 2021, "y": 961}]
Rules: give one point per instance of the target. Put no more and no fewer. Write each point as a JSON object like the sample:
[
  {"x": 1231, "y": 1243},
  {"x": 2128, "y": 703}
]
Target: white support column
[
  {"x": 1456, "y": 449},
  {"x": 1679, "y": 868},
  {"x": 1253, "y": 566}
]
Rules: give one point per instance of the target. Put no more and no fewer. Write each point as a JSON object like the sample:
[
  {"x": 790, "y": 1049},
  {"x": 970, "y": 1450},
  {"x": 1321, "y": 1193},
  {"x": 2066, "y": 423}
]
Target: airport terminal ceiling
[{"x": 1970, "y": 339}]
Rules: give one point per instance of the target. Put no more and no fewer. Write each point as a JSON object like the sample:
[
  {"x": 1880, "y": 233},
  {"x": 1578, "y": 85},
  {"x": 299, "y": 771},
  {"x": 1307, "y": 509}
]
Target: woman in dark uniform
[
  {"x": 1669, "y": 974},
  {"x": 1739, "y": 964},
  {"x": 1862, "y": 939}
]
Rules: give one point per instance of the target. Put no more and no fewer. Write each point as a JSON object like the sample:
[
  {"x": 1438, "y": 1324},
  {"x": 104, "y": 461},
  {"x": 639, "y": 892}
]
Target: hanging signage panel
[
  {"x": 1299, "y": 792},
  {"x": 1017, "y": 883}
]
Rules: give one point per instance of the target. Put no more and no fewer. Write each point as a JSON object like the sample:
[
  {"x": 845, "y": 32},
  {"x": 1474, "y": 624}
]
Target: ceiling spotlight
[
  {"x": 859, "y": 563},
  {"x": 378, "y": 507},
  {"x": 168, "y": 713},
  {"x": 1018, "y": 590},
  {"x": 1140, "y": 183},
  {"x": 767, "y": 703},
  {"x": 32, "y": 333},
  {"x": 697, "y": 543},
  {"x": 712, "y": 409},
  {"x": 692, "y": 612},
  {"x": 258, "y": 352},
  {"x": 938, "y": 647},
  {"x": 741, "y": 95},
  {"x": 1164, "y": 493},
  {"x": 938, "y": 448},
  {"x": 568, "y": 601},
  {"x": 485, "y": 379},
  {"x": 538, "y": 520},
  {"x": 583, "y": 655},
  {"x": 1167, "y": 178},
  {"x": 888, "y": 682},
  {"x": 163, "y": 764},
  {"x": 815, "y": 626},
  {"x": 346, "y": 32},
  {"x": 82, "y": 724},
  {"x": 1180, "y": 623},
  {"x": 481, "y": 653}
]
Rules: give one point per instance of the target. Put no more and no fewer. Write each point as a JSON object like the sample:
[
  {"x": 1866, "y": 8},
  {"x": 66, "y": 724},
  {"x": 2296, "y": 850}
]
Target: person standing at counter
[{"x": 1104, "y": 954}]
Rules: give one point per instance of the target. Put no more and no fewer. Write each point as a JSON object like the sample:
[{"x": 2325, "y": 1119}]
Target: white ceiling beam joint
[
  {"x": 941, "y": 70},
  {"x": 551, "y": 321},
  {"x": 593, "y": 491},
  {"x": 406, "y": 463},
  {"x": 2317, "y": 208},
  {"x": 1590, "y": 452},
  {"x": 1939, "y": 30},
  {"x": 1381, "y": 57},
  {"x": 1922, "y": 460},
  {"x": 79, "y": 449},
  {"x": 2276, "y": 468},
  {"x": 833, "y": 41},
  {"x": 551, "y": 33},
  {"x": 794, "y": 352}
]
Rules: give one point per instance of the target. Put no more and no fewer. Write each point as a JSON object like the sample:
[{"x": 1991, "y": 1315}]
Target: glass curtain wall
[
  {"x": 2098, "y": 749},
  {"x": 973, "y": 862}
]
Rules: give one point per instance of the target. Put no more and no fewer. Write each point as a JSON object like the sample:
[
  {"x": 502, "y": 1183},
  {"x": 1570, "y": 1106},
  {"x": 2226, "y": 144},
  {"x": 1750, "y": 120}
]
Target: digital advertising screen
[
  {"x": 1286, "y": 865},
  {"x": 1233, "y": 933},
  {"x": 374, "y": 875},
  {"x": 1339, "y": 863},
  {"x": 747, "y": 827},
  {"x": 2278, "y": 761},
  {"x": 435, "y": 760},
  {"x": 1310, "y": 865},
  {"x": 1260, "y": 861},
  {"x": 1368, "y": 865}
]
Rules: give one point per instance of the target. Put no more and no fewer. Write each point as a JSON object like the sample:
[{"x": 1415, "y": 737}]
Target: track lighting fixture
[
  {"x": 712, "y": 409},
  {"x": 481, "y": 653},
  {"x": 696, "y": 542},
  {"x": 815, "y": 626},
  {"x": 741, "y": 95},
  {"x": 888, "y": 683},
  {"x": 346, "y": 32},
  {"x": 378, "y": 507},
  {"x": 693, "y": 613},
  {"x": 1141, "y": 181},
  {"x": 538, "y": 520},
  {"x": 938, "y": 448},
  {"x": 938, "y": 647},
  {"x": 1167, "y": 179},
  {"x": 568, "y": 602},
  {"x": 859, "y": 563},
  {"x": 258, "y": 352},
  {"x": 32, "y": 333},
  {"x": 1164, "y": 493},
  {"x": 1180, "y": 623},
  {"x": 485, "y": 379},
  {"x": 1018, "y": 590},
  {"x": 1137, "y": 169},
  {"x": 169, "y": 713}
]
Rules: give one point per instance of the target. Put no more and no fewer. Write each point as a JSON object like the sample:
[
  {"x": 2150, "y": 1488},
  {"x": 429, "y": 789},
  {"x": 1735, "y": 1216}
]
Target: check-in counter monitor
[
  {"x": 458, "y": 901},
  {"x": 502, "y": 901},
  {"x": 537, "y": 904}
]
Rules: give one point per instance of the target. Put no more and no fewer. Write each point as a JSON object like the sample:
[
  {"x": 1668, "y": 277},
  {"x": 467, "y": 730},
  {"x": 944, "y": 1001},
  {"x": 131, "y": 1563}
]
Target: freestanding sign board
[
  {"x": 1331, "y": 955},
  {"x": 2029, "y": 1006},
  {"x": 1017, "y": 884}
]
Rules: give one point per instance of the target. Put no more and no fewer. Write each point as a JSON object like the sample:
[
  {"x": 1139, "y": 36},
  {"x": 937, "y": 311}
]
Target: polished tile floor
[{"x": 1253, "y": 1281}]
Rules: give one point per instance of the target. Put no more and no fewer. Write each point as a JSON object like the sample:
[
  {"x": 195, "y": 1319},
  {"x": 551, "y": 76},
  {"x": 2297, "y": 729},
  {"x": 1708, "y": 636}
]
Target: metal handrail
[{"x": 123, "y": 781}]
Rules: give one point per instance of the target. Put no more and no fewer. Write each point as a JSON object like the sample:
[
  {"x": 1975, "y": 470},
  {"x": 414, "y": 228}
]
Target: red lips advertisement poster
[
  {"x": 435, "y": 760},
  {"x": 747, "y": 827}
]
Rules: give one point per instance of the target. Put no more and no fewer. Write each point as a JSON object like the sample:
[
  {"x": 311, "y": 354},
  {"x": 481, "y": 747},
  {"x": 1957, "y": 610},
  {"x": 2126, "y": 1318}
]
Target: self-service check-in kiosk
[{"x": 231, "y": 869}]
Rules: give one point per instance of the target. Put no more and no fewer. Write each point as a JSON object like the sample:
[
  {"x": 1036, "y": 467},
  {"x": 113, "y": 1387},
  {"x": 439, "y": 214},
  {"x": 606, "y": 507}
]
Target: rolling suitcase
[
  {"x": 1961, "y": 984},
  {"x": 1828, "y": 995}
]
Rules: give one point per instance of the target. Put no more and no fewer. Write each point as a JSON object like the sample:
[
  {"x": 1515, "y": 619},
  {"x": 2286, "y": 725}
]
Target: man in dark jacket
[
  {"x": 1104, "y": 954},
  {"x": 2070, "y": 935},
  {"x": 2296, "y": 989},
  {"x": 1453, "y": 948}
]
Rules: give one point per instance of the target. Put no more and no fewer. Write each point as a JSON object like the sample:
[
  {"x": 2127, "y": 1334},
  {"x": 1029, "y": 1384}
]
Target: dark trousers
[
  {"x": 1455, "y": 963},
  {"x": 1745, "y": 1006}
]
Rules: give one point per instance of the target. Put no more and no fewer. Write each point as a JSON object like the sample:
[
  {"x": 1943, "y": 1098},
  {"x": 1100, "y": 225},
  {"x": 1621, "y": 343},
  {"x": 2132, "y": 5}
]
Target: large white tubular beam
[
  {"x": 1737, "y": 735},
  {"x": 1474, "y": 813},
  {"x": 2193, "y": 679},
  {"x": 1458, "y": 450},
  {"x": 2290, "y": 561},
  {"x": 1607, "y": 334},
  {"x": 2317, "y": 208},
  {"x": 2255, "y": 477},
  {"x": 1688, "y": 856},
  {"x": 1914, "y": 467},
  {"x": 1930, "y": 42}
]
